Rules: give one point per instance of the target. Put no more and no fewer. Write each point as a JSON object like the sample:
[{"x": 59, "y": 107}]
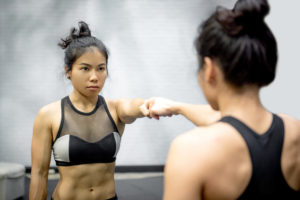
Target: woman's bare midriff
[{"x": 86, "y": 181}]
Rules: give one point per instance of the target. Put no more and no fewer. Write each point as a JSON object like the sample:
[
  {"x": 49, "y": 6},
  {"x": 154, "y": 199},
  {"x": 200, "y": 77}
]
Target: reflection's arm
[
  {"x": 200, "y": 115},
  {"x": 129, "y": 110},
  {"x": 40, "y": 156}
]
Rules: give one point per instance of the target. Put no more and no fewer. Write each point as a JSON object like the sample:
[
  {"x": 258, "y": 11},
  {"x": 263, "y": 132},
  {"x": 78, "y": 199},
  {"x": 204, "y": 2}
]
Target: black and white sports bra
[{"x": 85, "y": 138}]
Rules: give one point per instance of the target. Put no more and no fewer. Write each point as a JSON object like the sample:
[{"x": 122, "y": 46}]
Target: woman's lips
[{"x": 93, "y": 87}]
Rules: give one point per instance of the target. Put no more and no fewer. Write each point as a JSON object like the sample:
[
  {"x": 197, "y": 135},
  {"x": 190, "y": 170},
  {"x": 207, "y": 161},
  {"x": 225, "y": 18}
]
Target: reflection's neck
[{"x": 82, "y": 102}]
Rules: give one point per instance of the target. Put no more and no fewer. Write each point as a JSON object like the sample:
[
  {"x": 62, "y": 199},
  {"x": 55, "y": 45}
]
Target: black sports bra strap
[
  {"x": 259, "y": 145},
  {"x": 108, "y": 113},
  {"x": 245, "y": 131},
  {"x": 252, "y": 138},
  {"x": 62, "y": 107}
]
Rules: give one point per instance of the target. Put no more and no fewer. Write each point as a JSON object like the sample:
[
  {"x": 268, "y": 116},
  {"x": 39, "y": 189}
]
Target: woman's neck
[
  {"x": 245, "y": 105},
  {"x": 83, "y": 103},
  {"x": 240, "y": 102}
]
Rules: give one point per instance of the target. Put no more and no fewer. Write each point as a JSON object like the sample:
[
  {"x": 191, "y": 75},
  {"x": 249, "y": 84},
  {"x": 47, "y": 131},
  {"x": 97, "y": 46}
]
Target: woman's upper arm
[
  {"x": 41, "y": 142},
  {"x": 183, "y": 178},
  {"x": 128, "y": 110}
]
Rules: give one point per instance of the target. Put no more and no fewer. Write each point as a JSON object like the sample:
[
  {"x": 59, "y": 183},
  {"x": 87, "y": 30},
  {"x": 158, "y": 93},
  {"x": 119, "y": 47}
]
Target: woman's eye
[
  {"x": 85, "y": 68},
  {"x": 101, "y": 68}
]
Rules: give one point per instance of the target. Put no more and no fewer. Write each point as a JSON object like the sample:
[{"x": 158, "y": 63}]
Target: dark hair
[
  {"x": 78, "y": 42},
  {"x": 241, "y": 42}
]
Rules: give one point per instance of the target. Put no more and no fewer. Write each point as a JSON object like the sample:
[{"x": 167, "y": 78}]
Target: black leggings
[{"x": 113, "y": 198}]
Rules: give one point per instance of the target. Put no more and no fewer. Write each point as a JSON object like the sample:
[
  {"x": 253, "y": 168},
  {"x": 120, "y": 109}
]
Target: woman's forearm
[
  {"x": 200, "y": 115},
  {"x": 38, "y": 187}
]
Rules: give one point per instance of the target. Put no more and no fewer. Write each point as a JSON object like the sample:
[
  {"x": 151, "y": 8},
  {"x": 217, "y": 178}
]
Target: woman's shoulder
[
  {"x": 290, "y": 121},
  {"x": 113, "y": 104},
  {"x": 209, "y": 141},
  {"x": 205, "y": 149},
  {"x": 49, "y": 110},
  {"x": 218, "y": 132},
  {"x": 110, "y": 103},
  {"x": 291, "y": 126}
]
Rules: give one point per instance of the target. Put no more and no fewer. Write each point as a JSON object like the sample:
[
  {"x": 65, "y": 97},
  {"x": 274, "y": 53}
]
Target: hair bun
[
  {"x": 227, "y": 18},
  {"x": 83, "y": 31},
  {"x": 246, "y": 15},
  {"x": 251, "y": 10}
]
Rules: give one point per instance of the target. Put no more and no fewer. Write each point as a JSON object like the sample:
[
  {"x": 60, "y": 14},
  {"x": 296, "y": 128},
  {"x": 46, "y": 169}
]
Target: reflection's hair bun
[
  {"x": 244, "y": 17},
  {"x": 83, "y": 31}
]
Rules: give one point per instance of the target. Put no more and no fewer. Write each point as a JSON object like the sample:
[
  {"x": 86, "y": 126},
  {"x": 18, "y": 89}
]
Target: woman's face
[{"x": 89, "y": 72}]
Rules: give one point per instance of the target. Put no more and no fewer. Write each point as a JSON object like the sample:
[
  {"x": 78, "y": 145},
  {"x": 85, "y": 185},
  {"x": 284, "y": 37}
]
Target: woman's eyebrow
[{"x": 86, "y": 64}]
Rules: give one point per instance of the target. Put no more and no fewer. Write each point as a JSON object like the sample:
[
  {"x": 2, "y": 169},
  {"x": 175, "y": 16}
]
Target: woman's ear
[
  {"x": 68, "y": 72},
  {"x": 210, "y": 70}
]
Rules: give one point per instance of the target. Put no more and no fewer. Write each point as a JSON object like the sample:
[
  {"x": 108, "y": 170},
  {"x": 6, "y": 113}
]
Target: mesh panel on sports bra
[{"x": 90, "y": 127}]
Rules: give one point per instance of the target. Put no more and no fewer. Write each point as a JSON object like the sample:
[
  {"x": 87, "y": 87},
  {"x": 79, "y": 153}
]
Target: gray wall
[{"x": 152, "y": 54}]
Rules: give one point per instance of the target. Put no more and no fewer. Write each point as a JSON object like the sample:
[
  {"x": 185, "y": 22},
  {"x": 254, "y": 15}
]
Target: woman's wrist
[{"x": 177, "y": 107}]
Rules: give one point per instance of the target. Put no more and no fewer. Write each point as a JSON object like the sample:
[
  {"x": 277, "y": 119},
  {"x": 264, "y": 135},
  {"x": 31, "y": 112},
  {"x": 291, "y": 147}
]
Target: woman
[
  {"x": 84, "y": 129},
  {"x": 250, "y": 153}
]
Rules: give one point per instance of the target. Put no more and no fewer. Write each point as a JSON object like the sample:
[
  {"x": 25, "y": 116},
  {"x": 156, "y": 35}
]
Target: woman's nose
[{"x": 93, "y": 76}]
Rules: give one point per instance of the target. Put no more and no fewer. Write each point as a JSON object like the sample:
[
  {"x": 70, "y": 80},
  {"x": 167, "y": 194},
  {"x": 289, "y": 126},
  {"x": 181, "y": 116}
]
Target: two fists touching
[
  {"x": 200, "y": 115},
  {"x": 158, "y": 106}
]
